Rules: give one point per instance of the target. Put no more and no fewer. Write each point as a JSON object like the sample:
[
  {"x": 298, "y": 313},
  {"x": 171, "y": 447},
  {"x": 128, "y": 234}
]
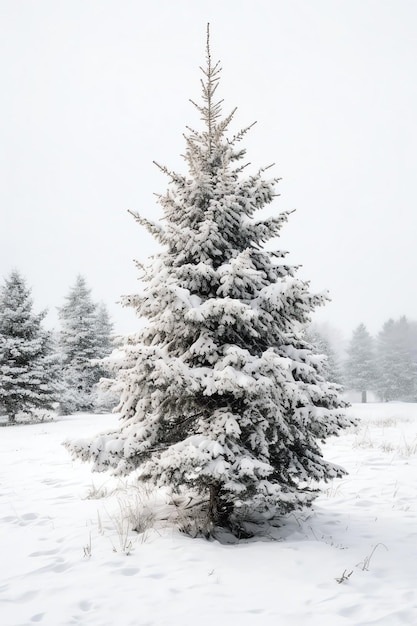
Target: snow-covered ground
[{"x": 68, "y": 555}]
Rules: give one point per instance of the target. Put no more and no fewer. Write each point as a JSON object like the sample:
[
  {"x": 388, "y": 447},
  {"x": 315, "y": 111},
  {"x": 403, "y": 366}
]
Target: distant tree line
[
  {"x": 43, "y": 370},
  {"x": 60, "y": 370},
  {"x": 385, "y": 365}
]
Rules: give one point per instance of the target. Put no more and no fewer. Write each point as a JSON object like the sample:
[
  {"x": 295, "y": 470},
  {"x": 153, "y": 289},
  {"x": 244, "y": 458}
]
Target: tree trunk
[
  {"x": 219, "y": 511},
  {"x": 364, "y": 396},
  {"x": 213, "y": 512}
]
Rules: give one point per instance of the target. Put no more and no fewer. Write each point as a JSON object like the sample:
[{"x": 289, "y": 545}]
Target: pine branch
[
  {"x": 265, "y": 168},
  {"x": 155, "y": 229},
  {"x": 176, "y": 178},
  {"x": 225, "y": 123},
  {"x": 239, "y": 170},
  {"x": 240, "y": 135},
  {"x": 194, "y": 133}
]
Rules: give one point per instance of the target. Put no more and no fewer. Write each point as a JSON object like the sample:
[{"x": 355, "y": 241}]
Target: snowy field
[{"x": 69, "y": 556}]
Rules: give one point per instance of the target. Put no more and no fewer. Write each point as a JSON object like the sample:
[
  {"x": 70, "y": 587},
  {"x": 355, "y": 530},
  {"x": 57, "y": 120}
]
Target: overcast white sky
[{"x": 92, "y": 91}]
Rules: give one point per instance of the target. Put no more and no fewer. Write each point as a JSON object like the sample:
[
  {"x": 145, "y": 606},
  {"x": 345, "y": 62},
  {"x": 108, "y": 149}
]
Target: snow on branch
[{"x": 155, "y": 229}]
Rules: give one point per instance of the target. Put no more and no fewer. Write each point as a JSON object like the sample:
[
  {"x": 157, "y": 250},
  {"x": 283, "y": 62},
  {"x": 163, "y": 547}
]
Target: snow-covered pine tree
[
  {"x": 106, "y": 396},
  {"x": 104, "y": 332},
  {"x": 360, "y": 365},
  {"x": 322, "y": 346},
  {"x": 28, "y": 366},
  {"x": 222, "y": 396},
  {"x": 397, "y": 368},
  {"x": 84, "y": 337},
  {"x": 412, "y": 339}
]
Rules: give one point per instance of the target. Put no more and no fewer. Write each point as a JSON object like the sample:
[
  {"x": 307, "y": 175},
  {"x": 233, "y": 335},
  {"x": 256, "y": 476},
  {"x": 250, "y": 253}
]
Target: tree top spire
[
  {"x": 210, "y": 110},
  {"x": 208, "y": 55}
]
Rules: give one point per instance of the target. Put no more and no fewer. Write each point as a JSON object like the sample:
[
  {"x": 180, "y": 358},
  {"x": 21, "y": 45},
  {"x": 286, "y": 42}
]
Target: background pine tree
[
  {"x": 222, "y": 397},
  {"x": 397, "y": 367},
  {"x": 331, "y": 365},
  {"x": 106, "y": 396},
  {"x": 28, "y": 365},
  {"x": 104, "y": 332},
  {"x": 360, "y": 365},
  {"x": 84, "y": 337}
]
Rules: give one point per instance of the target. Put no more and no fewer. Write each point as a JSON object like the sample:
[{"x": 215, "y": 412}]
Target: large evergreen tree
[
  {"x": 84, "y": 337},
  {"x": 222, "y": 396},
  {"x": 360, "y": 365},
  {"x": 28, "y": 366}
]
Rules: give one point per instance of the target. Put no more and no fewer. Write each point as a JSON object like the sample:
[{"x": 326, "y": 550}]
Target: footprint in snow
[
  {"x": 44, "y": 552},
  {"x": 129, "y": 571},
  {"x": 85, "y": 605},
  {"x": 27, "y": 596},
  {"x": 29, "y": 516}
]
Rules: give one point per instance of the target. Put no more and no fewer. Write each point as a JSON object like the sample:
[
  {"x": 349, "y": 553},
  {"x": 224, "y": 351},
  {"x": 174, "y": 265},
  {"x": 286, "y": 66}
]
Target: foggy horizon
[{"x": 94, "y": 92}]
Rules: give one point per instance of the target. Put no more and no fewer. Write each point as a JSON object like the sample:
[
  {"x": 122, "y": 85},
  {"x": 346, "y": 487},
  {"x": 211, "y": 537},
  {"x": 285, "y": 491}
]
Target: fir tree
[
  {"x": 222, "y": 397},
  {"x": 360, "y": 366},
  {"x": 397, "y": 368},
  {"x": 84, "y": 338},
  {"x": 106, "y": 396},
  {"x": 28, "y": 367},
  {"x": 104, "y": 332},
  {"x": 322, "y": 346},
  {"x": 412, "y": 339}
]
